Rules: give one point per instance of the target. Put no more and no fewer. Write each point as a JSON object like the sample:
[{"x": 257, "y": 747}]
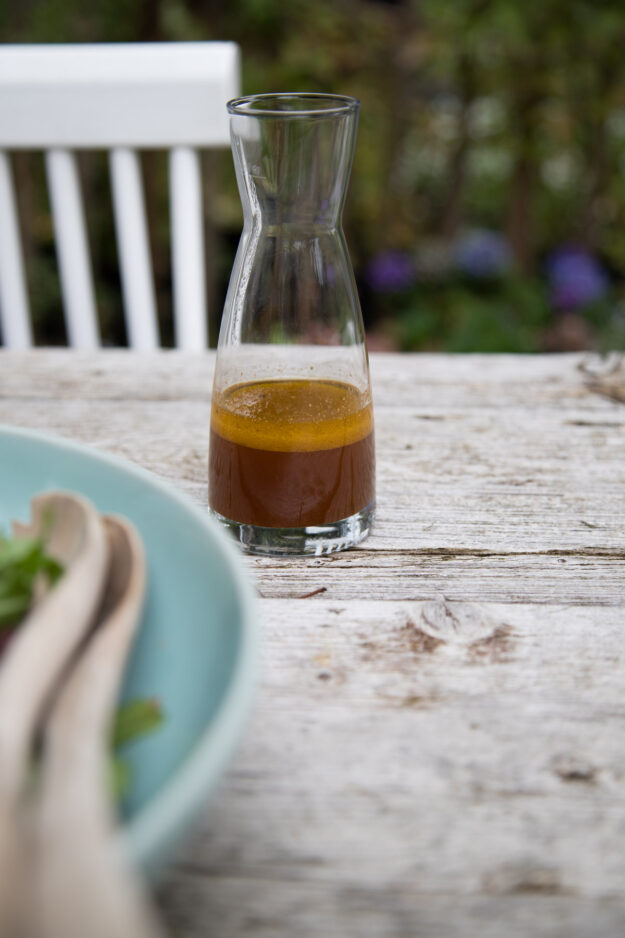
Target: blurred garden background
[{"x": 486, "y": 209}]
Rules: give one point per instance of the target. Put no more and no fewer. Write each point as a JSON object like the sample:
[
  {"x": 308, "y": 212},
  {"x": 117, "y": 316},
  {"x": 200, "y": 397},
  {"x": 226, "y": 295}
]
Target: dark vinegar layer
[{"x": 274, "y": 489}]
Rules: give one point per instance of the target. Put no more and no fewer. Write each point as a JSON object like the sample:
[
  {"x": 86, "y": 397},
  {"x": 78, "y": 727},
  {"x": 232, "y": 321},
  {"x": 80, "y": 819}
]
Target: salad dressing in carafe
[
  {"x": 291, "y": 453},
  {"x": 291, "y": 462}
]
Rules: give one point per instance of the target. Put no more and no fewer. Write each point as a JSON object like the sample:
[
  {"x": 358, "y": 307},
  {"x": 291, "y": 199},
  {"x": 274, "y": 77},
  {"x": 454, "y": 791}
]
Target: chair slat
[
  {"x": 189, "y": 285},
  {"x": 133, "y": 250},
  {"x": 14, "y": 307},
  {"x": 117, "y": 94},
  {"x": 72, "y": 249}
]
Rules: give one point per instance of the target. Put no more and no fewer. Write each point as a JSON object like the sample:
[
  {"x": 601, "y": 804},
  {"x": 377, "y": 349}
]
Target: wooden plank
[
  {"x": 539, "y": 576},
  {"x": 114, "y": 374},
  {"x": 422, "y": 754},
  {"x": 434, "y": 382},
  {"x": 251, "y": 907}
]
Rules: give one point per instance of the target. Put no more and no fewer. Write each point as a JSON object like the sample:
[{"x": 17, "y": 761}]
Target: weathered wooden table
[{"x": 438, "y": 746}]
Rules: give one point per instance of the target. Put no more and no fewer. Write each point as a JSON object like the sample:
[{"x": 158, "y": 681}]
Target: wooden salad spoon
[{"x": 35, "y": 658}]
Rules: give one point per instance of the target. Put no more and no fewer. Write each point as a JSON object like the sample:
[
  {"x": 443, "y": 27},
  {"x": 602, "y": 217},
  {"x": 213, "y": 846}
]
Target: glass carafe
[{"x": 291, "y": 459}]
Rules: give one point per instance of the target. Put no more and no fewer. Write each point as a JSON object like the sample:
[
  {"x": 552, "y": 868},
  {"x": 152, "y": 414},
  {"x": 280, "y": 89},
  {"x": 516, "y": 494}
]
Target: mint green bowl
[{"x": 197, "y": 647}]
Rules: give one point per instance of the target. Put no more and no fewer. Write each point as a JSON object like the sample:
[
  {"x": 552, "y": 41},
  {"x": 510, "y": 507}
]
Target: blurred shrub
[{"x": 492, "y": 135}]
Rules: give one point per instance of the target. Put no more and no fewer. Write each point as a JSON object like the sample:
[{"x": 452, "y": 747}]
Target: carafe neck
[{"x": 293, "y": 165}]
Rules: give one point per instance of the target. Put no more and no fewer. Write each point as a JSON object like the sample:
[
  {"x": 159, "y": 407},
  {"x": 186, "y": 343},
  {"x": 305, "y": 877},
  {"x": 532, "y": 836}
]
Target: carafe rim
[{"x": 293, "y": 105}]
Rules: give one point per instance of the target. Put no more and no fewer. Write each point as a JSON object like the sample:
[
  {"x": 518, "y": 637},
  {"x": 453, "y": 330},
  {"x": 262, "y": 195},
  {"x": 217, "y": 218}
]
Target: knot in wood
[{"x": 462, "y": 624}]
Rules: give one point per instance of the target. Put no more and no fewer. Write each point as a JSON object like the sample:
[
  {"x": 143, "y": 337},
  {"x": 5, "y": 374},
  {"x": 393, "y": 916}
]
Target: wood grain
[
  {"x": 438, "y": 744},
  {"x": 407, "y": 758}
]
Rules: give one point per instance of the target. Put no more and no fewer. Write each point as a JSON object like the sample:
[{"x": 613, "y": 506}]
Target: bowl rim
[{"x": 149, "y": 838}]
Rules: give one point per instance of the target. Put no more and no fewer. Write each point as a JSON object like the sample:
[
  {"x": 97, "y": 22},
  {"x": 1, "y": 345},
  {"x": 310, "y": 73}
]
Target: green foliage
[
  {"x": 497, "y": 114},
  {"x": 23, "y": 562},
  {"x": 134, "y": 720},
  {"x": 507, "y": 315}
]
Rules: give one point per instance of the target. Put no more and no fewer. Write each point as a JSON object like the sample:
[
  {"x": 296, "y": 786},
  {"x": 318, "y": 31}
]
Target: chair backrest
[{"x": 120, "y": 98}]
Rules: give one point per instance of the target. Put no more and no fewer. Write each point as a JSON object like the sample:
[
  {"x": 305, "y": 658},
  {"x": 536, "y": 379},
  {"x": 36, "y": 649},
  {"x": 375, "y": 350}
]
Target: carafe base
[{"x": 313, "y": 540}]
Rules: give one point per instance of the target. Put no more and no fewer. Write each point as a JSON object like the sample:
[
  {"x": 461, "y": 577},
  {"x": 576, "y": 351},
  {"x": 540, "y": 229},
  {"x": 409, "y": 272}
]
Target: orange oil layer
[{"x": 292, "y": 415}]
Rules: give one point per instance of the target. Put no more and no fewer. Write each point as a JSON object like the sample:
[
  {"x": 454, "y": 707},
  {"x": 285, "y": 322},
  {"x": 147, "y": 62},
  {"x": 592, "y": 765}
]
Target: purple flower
[
  {"x": 390, "y": 272},
  {"x": 576, "y": 278},
  {"x": 482, "y": 253}
]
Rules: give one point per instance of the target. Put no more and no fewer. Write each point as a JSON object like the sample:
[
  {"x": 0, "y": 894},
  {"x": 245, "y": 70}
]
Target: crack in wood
[
  {"x": 572, "y": 768},
  {"x": 453, "y": 553},
  {"x": 523, "y": 878},
  {"x": 602, "y": 424}
]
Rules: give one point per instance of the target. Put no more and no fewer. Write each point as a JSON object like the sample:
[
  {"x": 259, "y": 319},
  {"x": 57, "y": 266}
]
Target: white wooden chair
[{"x": 118, "y": 98}]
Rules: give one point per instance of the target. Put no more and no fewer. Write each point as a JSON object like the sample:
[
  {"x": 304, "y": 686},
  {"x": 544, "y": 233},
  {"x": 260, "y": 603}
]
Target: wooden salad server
[
  {"x": 35, "y": 658},
  {"x": 82, "y": 884}
]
